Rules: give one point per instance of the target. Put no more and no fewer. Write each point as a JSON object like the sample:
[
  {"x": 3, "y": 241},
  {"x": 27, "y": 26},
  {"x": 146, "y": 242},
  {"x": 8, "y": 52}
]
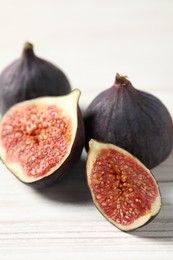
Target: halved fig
[
  {"x": 42, "y": 138},
  {"x": 122, "y": 188}
]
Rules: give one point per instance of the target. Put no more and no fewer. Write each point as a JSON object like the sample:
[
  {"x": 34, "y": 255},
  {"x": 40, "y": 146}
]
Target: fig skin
[
  {"x": 76, "y": 144},
  {"x": 95, "y": 149},
  {"x": 30, "y": 77},
  {"x": 132, "y": 119}
]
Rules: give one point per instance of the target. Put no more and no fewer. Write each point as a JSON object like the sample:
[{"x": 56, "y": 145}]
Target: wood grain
[{"x": 61, "y": 221}]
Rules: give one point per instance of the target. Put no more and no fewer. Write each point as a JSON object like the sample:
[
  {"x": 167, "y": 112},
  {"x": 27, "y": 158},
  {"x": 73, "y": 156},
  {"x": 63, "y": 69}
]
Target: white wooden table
[
  {"x": 91, "y": 41},
  {"x": 61, "y": 222}
]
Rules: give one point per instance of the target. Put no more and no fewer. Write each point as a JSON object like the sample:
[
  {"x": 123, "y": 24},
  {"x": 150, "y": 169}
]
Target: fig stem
[
  {"x": 121, "y": 80},
  {"x": 28, "y": 45},
  {"x": 28, "y": 50}
]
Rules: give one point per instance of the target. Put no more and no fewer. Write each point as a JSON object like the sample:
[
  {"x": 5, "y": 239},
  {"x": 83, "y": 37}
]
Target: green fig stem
[
  {"x": 28, "y": 50},
  {"x": 28, "y": 45},
  {"x": 121, "y": 80}
]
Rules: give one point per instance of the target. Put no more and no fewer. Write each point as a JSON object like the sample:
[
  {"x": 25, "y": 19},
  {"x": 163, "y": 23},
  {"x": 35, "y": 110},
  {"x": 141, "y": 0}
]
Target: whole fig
[
  {"x": 29, "y": 77},
  {"x": 132, "y": 119},
  {"x": 42, "y": 138}
]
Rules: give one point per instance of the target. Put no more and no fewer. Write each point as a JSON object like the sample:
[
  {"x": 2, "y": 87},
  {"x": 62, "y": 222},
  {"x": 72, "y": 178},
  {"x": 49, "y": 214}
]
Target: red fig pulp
[
  {"x": 122, "y": 188},
  {"x": 41, "y": 137}
]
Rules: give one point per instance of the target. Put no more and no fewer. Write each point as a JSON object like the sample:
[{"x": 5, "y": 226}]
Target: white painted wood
[{"x": 91, "y": 41}]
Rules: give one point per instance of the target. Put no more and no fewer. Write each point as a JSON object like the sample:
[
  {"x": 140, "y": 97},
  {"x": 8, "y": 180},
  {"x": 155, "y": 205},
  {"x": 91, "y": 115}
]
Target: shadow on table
[
  {"x": 149, "y": 233},
  {"x": 72, "y": 188},
  {"x": 159, "y": 228}
]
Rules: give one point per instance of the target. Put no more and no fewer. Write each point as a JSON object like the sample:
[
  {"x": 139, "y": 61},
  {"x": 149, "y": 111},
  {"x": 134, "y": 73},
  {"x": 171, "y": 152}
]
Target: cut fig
[
  {"x": 132, "y": 119},
  {"x": 122, "y": 188},
  {"x": 42, "y": 138}
]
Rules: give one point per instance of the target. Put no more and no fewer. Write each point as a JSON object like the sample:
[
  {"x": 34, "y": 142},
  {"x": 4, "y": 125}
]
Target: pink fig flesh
[
  {"x": 122, "y": 188},
  {"x": 37, "y": 137}
]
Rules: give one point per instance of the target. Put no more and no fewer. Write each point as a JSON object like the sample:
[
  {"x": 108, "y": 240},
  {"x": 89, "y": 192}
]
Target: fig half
[
  {"x": 30, "y": 77},
  {"x": 122, "y": 188},
  {"x": 132, "y": 119},
  {"x": 42, "y": 138}
]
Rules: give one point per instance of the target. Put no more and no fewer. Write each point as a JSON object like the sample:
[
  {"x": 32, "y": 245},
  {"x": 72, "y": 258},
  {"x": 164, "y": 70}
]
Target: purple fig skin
[
  {"x": 132, "y": 119},
  {"x": 29, "y": 77}
]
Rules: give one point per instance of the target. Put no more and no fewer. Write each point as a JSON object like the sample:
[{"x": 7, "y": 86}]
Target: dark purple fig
[
  {"x": 41, "y": 139},
  {"x": 132, "y": 119},
  {"x": 29, "y": 77},
  {"x": 122, "y": 188}
]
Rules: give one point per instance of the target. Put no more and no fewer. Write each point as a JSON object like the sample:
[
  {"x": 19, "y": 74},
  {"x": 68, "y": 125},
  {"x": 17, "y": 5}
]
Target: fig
[
  {"x": 122, "y": 188},
  {"x": 30, "y": 77},
  {"x": 42, "y": 138},
  {"x": 132, "y": 119}
]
